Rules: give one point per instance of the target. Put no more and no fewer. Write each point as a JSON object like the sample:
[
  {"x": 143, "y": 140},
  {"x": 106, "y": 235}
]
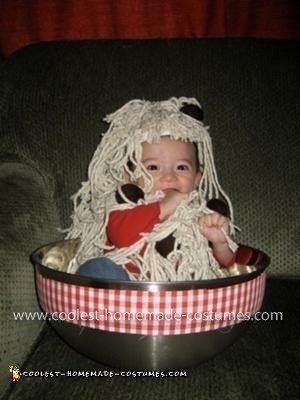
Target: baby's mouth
[{"x": 168, "y": 190}]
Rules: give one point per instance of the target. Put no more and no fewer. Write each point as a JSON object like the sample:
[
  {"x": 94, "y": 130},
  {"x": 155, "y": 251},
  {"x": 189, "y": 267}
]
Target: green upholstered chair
[{"x": 53, "y": 97}]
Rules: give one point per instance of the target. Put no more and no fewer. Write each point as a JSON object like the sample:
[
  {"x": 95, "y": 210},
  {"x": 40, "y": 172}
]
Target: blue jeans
[{"x": 102, "y": 268}]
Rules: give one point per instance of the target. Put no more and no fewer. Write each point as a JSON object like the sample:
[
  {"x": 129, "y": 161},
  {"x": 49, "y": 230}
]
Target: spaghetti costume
[{"x": 97, "y": 215}]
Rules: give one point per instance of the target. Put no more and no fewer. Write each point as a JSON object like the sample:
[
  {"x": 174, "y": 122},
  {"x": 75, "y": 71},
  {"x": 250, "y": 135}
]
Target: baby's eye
[
  {"x": 183, "y": 167},
  {"x": 152, "y": 167}
]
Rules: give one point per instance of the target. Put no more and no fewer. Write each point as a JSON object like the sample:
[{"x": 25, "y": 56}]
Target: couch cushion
[{"x": 28, "y": 216}]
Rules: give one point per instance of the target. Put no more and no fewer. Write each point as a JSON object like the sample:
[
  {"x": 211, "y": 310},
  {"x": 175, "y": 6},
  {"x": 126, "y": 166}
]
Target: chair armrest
[{"x": 28, "y": 219}]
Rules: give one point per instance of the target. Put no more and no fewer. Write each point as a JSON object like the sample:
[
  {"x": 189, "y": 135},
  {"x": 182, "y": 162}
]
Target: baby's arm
[
  {"x": 210, "y": 226},
  {"x": 124, "y": 227}
]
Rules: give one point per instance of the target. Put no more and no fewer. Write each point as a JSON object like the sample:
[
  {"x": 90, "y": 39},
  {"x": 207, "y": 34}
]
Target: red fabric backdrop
[{"x": 28, "y": 21}]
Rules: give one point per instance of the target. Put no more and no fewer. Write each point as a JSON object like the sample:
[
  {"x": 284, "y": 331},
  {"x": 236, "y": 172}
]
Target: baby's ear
[
  {"x": 126, "y": 177},
  {"x": 197, "y": 179},
  {"x": 193, "y": 111}
]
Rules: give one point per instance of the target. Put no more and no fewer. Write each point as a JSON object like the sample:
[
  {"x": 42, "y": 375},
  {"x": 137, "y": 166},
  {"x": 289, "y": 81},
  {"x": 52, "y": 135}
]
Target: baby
[
  {"x": 174, "y": 168},
  {"x": 164, "y": 150}
]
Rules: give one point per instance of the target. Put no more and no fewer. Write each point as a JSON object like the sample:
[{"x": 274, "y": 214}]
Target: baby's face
[{"x": 172, "y": 164}]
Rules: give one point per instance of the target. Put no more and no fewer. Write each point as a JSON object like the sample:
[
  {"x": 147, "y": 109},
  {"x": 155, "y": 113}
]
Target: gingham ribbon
[{"x": 151, "y": 313}]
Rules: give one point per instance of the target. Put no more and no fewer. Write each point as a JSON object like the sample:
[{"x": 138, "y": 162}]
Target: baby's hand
[
  {"x": 170, "y": 202},
  {"x": 210, "y": 226}
]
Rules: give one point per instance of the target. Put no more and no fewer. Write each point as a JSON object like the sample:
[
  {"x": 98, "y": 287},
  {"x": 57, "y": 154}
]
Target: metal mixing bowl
[{"x": 126, "y": 350}]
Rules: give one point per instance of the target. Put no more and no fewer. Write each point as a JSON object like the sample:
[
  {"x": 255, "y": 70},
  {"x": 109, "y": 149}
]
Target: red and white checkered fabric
[{"x": 151, "y": 313}]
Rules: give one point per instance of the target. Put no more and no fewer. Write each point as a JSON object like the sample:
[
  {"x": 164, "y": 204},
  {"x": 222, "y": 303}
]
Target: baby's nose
[{"x": 169, "y": 176}]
